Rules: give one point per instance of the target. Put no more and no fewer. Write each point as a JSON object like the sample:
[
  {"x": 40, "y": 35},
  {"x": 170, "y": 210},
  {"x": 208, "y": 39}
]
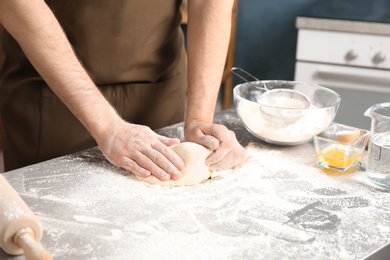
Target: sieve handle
[{"x": 234, "y": 71}]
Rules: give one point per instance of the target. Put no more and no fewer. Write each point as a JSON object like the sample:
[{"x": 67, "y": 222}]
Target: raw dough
[{"x": 195, "y": 171}]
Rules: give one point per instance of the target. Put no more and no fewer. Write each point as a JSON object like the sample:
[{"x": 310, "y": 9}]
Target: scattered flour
[
  {"x": 277, "y": 206},
  {"x": 87, "y": 219},
  {"x": 10, "y": 211}
]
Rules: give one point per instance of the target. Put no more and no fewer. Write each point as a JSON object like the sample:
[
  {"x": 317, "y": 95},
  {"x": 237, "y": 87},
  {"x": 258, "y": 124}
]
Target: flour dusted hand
[
  {"x": 227, "y": 151},
  {"x": 141, "y": 151},
  {"x": 195, "y": 170}
]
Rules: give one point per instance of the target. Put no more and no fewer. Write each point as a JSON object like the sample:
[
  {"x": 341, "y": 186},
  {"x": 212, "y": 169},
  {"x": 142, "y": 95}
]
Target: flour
[
  {"x": 88, "y": 219},
  {"x": 10, "y": 211},
  {"x": 279, "y": 205},
  {"x": 281, "y": 99},
  {"x": 284, "y": 125}
]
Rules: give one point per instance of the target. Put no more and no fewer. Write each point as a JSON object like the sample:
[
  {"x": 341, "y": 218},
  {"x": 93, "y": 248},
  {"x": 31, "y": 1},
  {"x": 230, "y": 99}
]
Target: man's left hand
[{"x": 228, "y": 153}]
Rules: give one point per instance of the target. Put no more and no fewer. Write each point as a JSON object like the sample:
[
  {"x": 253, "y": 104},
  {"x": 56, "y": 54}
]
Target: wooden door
[{"x": 1, "y": 60}]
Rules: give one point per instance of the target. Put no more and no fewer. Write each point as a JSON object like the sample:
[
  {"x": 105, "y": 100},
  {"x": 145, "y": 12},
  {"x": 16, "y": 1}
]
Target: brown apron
[{"x": 134, "y": 52}]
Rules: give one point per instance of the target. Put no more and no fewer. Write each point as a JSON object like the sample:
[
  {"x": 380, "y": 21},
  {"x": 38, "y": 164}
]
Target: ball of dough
[{"x": 195, "y": 171}]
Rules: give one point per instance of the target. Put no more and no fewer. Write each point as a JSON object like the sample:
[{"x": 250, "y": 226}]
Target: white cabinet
[
  {"x": 352, "y": 58},
  {"x": 344, "y": 48}
]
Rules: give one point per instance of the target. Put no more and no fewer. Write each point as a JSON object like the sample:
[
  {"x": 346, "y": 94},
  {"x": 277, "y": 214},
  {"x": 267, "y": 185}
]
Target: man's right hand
[
  {"x": 141, "y": 151},
  {"x": 133, "y": 147}
]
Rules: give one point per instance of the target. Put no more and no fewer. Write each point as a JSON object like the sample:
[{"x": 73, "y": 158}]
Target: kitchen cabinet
[
  {"x": 267, "y": 36},
  {"x": 350, "y": 57}
]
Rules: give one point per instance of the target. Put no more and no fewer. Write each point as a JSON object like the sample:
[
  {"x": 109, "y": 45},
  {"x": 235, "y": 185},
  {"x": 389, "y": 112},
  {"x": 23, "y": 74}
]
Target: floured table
[{"x": 278, "y": 206}]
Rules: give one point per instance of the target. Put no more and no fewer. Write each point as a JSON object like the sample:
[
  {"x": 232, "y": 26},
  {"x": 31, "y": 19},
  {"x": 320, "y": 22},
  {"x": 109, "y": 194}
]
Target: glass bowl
[
  {"x": 280, "y": 125},
  {"x": 340, "y": 147}
]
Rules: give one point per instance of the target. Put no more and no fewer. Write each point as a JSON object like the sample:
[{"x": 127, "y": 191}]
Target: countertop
[
  {"x": 279, "y": 205},
  {"x": 340, "y": 25},
  {"x": 365, "y": 13}
]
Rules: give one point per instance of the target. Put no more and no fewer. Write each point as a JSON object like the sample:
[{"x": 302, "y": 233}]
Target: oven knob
[
  {"x": 351, "y": 55},
  {"x": 379, "y": 57}
]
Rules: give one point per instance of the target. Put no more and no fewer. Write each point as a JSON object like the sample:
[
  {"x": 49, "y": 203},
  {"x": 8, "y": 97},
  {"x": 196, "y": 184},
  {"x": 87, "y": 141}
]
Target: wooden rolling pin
[{"x": 20, "y": 230}]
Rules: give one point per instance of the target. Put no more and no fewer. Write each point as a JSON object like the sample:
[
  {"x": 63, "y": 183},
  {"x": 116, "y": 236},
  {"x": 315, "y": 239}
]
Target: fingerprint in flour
[
  {"x": 319, "y": 203},
  {"x": 180, "y": 222},
  {"x": 311, "y": 217},
  {"x": 330, "y": 191},
  {"x": 330, "y": 198},
  {"x": 284, "y": 180},
  {"x": 237, "y": 217}
]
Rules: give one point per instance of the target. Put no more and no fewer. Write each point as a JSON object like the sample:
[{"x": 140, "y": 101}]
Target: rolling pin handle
[{"x": 32, "y": 249}]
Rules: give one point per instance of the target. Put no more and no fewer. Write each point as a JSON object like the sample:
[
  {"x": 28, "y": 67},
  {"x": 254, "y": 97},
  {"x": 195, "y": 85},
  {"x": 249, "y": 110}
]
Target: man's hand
[
  {"x": 228, "y": 153},
  {"x": 141, "y": 151},
  {"x": 208, "y": 33},
  {"x": 132, "y": 147}
]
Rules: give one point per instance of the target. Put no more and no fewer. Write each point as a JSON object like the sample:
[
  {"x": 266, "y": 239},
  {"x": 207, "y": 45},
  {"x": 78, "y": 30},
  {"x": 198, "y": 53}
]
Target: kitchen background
[
  {"x": 265, "y": 39},
  {"x": 266, "y": 46}
]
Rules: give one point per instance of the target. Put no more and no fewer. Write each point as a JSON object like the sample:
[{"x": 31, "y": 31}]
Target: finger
[
  {"x": 142, "y": 166},
  {"x": 225, "y": 147},
  {"x": 232, "y": 160},
  {"x": 169, "y": 156},
  {"x": 229, "y": 155},
  {"x": 168, "y": 141},
  {"x": 131, "y": 166},
  {"x": 147, "y": 163},
  {"x": 162, "y": 160},
  {"x": 153, "y": 158},
  {"x": 209, "y": 142},
  {"x": 219, "y": 131},
  {"x": 218, "y": 156}
]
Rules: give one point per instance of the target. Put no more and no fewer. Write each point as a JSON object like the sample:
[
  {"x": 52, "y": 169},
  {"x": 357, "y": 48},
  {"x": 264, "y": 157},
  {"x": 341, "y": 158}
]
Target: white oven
[{"x": 352, "y": 58}]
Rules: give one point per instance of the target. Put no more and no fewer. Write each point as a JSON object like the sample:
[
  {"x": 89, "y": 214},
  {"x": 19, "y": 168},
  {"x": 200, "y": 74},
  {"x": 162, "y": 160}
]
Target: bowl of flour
[{"x": 283, "y": 123}]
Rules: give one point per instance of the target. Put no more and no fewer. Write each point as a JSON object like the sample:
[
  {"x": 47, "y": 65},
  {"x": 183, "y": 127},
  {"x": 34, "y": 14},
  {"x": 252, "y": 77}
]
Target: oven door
[{"x": 359, "y": 88}]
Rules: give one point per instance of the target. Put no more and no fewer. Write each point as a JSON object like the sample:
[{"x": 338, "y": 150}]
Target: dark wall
[{"x": 266, "y": 35}]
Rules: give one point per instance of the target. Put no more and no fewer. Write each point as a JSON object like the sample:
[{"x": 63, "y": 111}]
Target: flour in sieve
[{"x": 307, "y": 124}]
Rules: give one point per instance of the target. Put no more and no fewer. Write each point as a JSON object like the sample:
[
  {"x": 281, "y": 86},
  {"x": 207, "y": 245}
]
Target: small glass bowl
[{"x": 339, "y": 147}]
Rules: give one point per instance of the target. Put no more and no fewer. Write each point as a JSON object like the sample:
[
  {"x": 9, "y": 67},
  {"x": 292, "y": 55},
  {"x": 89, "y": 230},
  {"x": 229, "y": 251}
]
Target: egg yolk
[{"x": 339, "y": 158}]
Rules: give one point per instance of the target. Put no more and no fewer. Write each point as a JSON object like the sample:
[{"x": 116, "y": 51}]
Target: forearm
[
  {"x": 209, "y": 24},
  {"x": 37, "y": 31}
]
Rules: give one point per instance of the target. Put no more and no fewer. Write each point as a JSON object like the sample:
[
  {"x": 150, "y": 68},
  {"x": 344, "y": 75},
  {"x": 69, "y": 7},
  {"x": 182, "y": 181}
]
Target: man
[{"x": 118, "y": 67}]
